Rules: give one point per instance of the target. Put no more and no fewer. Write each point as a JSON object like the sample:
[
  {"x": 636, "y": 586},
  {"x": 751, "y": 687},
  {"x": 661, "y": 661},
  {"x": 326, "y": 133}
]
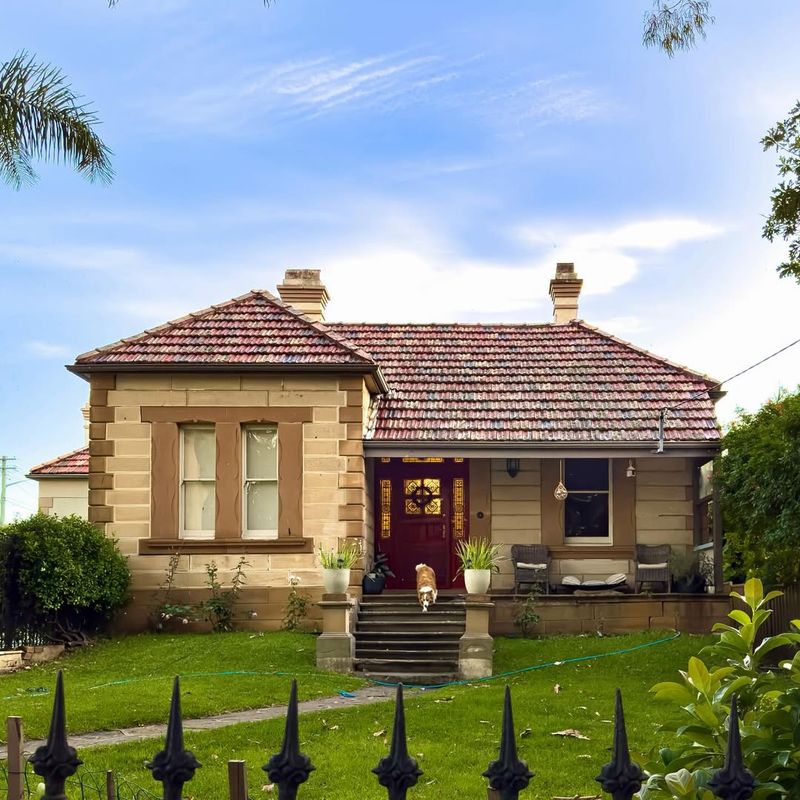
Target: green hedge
[{"x": 58, "y": 576}]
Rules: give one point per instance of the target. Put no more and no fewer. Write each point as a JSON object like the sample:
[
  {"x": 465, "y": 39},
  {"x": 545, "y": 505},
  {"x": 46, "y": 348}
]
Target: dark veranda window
[{"x": 586, "y": 509}]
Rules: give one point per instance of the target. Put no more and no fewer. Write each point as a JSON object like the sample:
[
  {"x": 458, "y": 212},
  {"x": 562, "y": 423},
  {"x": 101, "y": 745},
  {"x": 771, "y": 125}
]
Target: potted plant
[
  {"x": 479, "y": 559},
  {"x": 687, "y": 573},
  {"x": 375, "y": 579},
  {"x": 336, "y": 564}
]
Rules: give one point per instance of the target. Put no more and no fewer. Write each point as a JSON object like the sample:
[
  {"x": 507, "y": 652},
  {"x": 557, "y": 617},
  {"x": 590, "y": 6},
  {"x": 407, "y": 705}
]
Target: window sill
[
  {"x": 591, "y": 551},
  {"x": 294, "y": 544}
]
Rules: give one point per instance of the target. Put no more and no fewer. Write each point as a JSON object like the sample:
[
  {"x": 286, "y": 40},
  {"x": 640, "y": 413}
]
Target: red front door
[{"x": 421, "y": 512}]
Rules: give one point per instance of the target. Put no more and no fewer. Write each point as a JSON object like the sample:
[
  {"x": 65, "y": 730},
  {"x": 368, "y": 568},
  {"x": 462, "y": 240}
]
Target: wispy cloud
[{"x": 41, "y": 349}]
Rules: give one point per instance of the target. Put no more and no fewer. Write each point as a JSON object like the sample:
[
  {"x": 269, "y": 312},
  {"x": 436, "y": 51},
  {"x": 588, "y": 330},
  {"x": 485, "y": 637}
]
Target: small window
[
  {"x": 198, "y": 469},
  {"x": 587, "y": 507},
  {"x": 704, "y": 505},
  {"x": 260, "y": 496}
]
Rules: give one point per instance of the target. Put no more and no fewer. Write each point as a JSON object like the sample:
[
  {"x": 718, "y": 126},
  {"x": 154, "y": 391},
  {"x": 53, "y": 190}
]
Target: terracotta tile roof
[
  {"x": 254, "y": 329},
  {"x": 527, "y": 383},
  {"x": 74, "y": 463}
]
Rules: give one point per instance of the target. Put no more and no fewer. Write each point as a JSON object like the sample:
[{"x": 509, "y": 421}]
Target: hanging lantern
[{"x": 561, "y": 492}]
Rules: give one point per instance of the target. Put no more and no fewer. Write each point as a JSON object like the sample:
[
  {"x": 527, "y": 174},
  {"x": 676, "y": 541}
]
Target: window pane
[
  {"x": 262, "y": 506},
  {"x": 199, "y": 453},
  {"x": 705, "y": 486},
  {"x": 586, "y": 515},
  {"x": 262, "y": 453},
  {"x": 198, "y": 506},
  {"x": 586, "y": 474}
]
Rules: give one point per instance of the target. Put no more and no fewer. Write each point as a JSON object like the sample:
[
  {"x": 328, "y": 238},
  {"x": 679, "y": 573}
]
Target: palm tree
[{"x": 41, "y": 118}]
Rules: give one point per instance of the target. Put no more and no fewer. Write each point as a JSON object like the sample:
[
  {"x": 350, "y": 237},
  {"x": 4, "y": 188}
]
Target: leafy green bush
[
  {"x": 758, "y": 475},
  {"x": 769, "y": 709},
  {"x": 59, "y": 575}
]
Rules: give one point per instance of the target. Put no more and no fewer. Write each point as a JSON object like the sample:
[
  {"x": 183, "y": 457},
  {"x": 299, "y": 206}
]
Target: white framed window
[
  {"x": 198, "y": 481},
  {"x": 260, "y": 474},
  {"x": 587, "y": 508}
]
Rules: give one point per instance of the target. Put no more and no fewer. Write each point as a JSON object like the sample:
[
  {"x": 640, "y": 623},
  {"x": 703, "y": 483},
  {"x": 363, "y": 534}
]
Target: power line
[{"x": 663, "y": 414}]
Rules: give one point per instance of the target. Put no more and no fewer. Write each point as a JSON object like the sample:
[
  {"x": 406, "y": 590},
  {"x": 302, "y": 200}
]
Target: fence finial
[
  {"x": 174, "y": 765},
  {"x": 398, "y": 772},
  {"x": 289, "y": 768},
  {"x": 56, "y": 761},
  {"x": 621, "y": 777},
  {"x": 734, "y": 781},
  {"x": 508, "y": 774}
]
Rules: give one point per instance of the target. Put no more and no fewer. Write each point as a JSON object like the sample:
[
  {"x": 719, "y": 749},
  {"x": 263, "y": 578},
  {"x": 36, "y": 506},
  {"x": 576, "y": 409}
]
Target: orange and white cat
[{"x": 426, "y": 586}]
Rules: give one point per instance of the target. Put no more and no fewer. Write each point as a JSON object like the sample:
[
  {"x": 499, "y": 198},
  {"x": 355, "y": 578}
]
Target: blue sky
[{"x": 434, "y": 160}]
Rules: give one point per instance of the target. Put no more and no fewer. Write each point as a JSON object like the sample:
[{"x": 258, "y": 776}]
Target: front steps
[{"x": 397, "y": 642}]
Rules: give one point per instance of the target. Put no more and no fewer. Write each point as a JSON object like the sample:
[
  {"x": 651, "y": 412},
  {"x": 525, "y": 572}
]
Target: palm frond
[{"x": 41, "y": 118}]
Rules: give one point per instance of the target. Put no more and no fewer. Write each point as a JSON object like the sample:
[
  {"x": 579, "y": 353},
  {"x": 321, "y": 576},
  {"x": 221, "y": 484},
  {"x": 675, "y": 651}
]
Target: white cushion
[
  {"x": 525, "y": 565},
  {"x": 616, "y": 578},
  {"x": 570, "y": 580},
  {"x": 662, "y": 565}
]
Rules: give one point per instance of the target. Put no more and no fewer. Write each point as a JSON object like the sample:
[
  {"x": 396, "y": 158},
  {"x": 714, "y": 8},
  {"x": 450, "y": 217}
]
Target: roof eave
[{"x": 32, "y": 476}]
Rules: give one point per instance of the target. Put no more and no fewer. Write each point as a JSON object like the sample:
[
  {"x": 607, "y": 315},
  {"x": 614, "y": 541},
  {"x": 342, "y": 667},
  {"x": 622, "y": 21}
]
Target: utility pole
[{"x": 4, "y": 465}]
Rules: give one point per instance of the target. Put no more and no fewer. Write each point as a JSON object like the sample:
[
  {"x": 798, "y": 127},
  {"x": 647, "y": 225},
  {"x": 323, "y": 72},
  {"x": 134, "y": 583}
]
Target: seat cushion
[
  {"x": 526, "y": 565},
  {"x": 661, "y": 565},
  {"x": 616, "y": 579},
  {"x": 570, "y": 580}
]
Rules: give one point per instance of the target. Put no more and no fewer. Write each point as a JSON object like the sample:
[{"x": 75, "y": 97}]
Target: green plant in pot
[
  {"x": 479, "y": 559},
  {"x": 375, "y": 579},
  {"x": 336, "y": 564},
  {"x": 687, "y": 573}
]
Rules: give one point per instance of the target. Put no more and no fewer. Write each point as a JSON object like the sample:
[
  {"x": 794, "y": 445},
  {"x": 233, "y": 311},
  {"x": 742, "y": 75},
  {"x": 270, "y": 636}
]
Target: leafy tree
[
  {"x": 41, "y": 118},
  {"x": 674, "y": 26},
  {"x": 758, "y": 477}
]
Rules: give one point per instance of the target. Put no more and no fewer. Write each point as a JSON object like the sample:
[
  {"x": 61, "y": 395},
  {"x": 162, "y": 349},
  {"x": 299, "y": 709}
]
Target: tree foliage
[
  {"x": 758, "y": 477},
  {"x": 784, "y": 221},
  {"x": 676, "y": 26},
  {"x": 41, "y": 118}
]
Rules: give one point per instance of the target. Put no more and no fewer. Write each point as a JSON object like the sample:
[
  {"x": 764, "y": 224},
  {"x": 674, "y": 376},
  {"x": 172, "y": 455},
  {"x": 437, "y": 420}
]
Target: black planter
[
  {"x": 690, "y": 584},
  {"x": 373, "y": 585}
]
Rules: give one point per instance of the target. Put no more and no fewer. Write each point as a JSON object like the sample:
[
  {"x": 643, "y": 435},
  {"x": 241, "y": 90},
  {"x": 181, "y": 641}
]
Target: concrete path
[{"x": 363, "y": 697}]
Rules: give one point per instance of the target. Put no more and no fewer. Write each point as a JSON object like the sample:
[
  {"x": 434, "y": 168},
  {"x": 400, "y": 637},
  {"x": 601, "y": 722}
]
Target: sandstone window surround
[{"x": 230, "y": 533}]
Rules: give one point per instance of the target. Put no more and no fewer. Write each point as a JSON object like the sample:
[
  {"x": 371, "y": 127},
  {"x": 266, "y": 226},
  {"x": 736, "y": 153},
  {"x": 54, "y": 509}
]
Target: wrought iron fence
[{"x": 56, "y": 762}]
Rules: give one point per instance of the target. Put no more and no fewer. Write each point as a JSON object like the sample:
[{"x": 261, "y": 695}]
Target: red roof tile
[
  {"x": 255, "y": 329},
  {"x": 74, "y": 463},
  {"x": 527, "y": 383}
]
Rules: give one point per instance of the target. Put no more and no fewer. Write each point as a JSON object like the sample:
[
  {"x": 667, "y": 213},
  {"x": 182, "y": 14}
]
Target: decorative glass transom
[{"x": 423, "y": 496}]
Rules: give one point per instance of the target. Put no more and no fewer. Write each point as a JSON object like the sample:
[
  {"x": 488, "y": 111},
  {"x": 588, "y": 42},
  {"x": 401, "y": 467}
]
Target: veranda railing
[{"x": 174, "y": 766}]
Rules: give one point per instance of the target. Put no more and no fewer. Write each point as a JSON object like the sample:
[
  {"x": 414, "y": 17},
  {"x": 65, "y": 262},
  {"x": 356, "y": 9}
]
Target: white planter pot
[
  {"x": 335, "y": 581},
  {"x": 477, "y": 580}
]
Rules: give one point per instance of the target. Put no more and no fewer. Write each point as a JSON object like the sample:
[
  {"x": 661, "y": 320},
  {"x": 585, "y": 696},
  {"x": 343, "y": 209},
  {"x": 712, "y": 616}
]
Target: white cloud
[{"x": 42, "y": 349}]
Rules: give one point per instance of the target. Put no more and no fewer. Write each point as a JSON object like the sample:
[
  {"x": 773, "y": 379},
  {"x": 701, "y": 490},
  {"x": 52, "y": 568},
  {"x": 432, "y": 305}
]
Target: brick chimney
[
  {"x": 564, "y": 291},
  {"x": 305, "y": 292}
]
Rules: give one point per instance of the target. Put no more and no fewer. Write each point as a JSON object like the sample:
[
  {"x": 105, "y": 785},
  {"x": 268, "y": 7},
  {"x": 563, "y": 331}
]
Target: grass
[
  {"x": 125, "y": 682},
  {"x": 453, "y": 732}
]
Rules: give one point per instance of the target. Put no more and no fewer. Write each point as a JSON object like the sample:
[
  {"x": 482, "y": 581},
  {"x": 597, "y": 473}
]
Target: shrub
[
  {"x": 296, "y": 607},
  {"x": 525, "y": 615},
  {"x": 59, "y": 576},
  {"x": 218, "y": 608},
  {"x": 769, "y": 709},
  {"x": 757, "y": 476}
]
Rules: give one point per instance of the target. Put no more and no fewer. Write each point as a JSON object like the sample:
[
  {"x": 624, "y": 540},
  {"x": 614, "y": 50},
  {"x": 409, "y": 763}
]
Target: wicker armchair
[
  {"x": 652, "y": 565},
  {"x": 531, "y": 565}
]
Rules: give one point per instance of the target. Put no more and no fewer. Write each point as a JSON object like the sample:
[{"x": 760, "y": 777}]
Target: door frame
[{"x": 454, "y": 474}]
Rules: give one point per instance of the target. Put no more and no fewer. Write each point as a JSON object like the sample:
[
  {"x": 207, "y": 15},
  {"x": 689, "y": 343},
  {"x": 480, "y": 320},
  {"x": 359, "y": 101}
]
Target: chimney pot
[
  {"x": 303, "y": 290},
  {"x": 565, "y": 288}
]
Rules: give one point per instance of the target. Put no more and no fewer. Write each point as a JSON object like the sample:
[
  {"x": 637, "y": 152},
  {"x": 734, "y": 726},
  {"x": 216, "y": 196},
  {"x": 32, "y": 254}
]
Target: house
[
  {"x": 257, "y": 428},
  {"x": 64, "y": 483}
]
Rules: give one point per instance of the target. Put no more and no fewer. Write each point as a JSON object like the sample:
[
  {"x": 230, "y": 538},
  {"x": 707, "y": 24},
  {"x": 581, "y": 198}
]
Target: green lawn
[
  {"x": 124, "y": 682},
  {"x": 453, "y": 732}
]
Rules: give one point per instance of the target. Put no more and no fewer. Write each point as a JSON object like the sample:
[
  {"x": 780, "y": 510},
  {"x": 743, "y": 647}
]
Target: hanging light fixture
[
  {"x": 560, "y": 492},
  {"x": 512, "y": 467},
  {"x": 631, "y": 470}
]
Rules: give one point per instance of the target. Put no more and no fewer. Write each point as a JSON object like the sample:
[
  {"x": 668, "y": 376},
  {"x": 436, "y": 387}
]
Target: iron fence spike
[
  {"x": 289, "y": 768},
  {"x": 398, "y": 772},
  {"x": 56, "y": 761},
  {"x": 508, "y": 775},
  {"x": 621, "y": 777},
  {"x": 174, "y": 765},
  {"x": 734, "y": 781}
]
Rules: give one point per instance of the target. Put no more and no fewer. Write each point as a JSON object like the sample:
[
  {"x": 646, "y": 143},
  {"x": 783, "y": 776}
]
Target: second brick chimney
[
  {"x": 564, "y": 291},
  {"x": 303, "y": 290}
]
